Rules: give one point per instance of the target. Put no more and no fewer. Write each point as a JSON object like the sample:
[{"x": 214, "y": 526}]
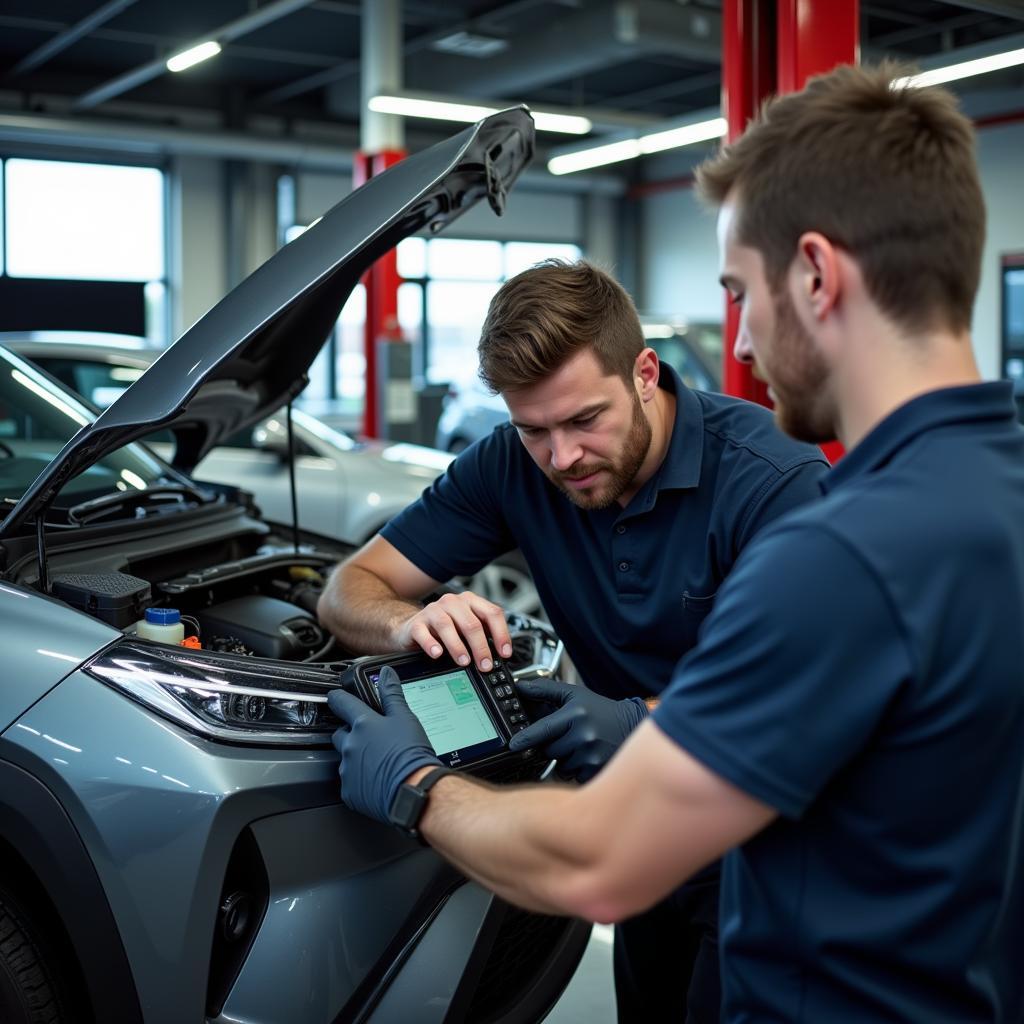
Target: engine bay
[{"x": 260, "y": 605}]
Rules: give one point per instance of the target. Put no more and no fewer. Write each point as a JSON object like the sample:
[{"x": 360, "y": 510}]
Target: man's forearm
[
  {"x": 512, "y": 840},
  {"x": 603, "y": 851},
  {"x": 362, "y": 611}
]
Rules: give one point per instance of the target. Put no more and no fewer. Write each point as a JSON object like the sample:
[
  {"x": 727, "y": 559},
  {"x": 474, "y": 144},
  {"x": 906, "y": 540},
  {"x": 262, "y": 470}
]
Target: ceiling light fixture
[
  {"x": 628, "y": 149},
  {"x": 193, "y": 55},
  {"x": 965, "y": 69},
  {"x": 712, "y": 128},
  {"x": 452, "y": 110}
]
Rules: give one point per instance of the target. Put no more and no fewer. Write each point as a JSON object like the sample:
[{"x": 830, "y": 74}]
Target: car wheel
[
  {"x": 507, "y": 581},
  {"x": 30, "y": 991}
]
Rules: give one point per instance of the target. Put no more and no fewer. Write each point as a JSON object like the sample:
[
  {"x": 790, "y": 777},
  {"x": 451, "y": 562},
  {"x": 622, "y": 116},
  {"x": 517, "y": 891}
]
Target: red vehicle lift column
[
  {"x": 381, "y": 282},
  {"x": 774, "y": 46},
  {"x": 748, "y": 76}
]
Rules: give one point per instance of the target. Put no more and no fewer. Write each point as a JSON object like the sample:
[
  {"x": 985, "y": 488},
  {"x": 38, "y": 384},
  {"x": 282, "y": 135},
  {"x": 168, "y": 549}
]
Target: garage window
[
  {"x": 448, "y": 284},
  {"x": 92, "y": 222},
  {"x": 85, "y": 242}
]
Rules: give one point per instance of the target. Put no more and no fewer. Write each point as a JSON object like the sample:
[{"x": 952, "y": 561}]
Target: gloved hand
[
  {"x": 378, "y": 752},
  {"x": 584, "y": 730}
]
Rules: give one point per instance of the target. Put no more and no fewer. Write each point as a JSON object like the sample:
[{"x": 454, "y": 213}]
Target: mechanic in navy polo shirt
[
  {"x": 850, "y": 727},
  {"x": 630, "y": 497}
]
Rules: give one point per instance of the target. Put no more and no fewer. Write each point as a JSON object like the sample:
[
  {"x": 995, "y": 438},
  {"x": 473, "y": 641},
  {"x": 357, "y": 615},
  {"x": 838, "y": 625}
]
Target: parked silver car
[{"x": 172, "y": 844}]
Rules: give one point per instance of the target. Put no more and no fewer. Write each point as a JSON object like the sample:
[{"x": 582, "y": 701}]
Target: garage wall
[
  {"x": 679, "y": 259},
  {"x": 207, "y": 194},
  {"x": 530, "y": 215},
  {"x": 1001, "y": 154},
  {"x": 198, "y": 218}
]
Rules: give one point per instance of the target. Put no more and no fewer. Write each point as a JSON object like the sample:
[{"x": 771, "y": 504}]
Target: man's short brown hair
[
  {"x": 885, "y": 171},
  {"x": 542, "y": 317}
]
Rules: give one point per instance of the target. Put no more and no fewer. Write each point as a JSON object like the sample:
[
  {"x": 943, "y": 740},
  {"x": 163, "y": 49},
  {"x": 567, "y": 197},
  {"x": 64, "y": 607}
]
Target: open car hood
[{"x": 249, "y": 355}]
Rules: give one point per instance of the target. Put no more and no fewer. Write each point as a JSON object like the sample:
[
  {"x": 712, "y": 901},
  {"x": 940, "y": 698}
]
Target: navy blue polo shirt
[
  {"x": 625, "y": 588},
  {"x": 863, "y": 673}
]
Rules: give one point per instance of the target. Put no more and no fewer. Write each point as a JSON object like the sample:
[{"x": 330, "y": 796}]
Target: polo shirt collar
[
  {"x": 681, "y": 466},
  {"x": 969, "y": 403}
]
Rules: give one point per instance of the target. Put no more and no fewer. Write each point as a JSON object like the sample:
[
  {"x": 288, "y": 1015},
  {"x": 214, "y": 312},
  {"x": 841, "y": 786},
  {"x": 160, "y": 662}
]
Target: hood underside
[{"x": 250, "y": 354}]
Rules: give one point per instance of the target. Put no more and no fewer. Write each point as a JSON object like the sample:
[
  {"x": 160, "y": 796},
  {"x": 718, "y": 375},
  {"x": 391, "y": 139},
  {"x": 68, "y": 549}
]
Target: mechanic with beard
[
  {"x": 630, "y": 497},
  {"x": 849, "y": 731}
]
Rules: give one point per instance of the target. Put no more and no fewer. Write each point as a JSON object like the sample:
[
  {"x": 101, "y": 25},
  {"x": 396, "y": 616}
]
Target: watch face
[{"x": 407, "y": 807}]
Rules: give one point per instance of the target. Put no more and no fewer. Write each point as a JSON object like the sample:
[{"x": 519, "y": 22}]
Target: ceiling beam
[
  {"x": 350, "y": 66},
  {"x": 601, "y": 34},
  {"x": 69, "y": 36},
  {"x": 1002, "y": 8},
  {"x": 225, "y": 34}
]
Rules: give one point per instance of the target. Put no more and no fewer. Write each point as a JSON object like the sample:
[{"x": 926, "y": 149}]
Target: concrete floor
[{"x": 590, "y": 996}]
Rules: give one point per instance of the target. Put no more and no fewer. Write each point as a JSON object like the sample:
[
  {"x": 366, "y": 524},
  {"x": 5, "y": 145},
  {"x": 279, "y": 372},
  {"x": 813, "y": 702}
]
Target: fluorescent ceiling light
[
  {"x": 628, "y": 149},
  {"x": 687, "y": 135},
  {"x": 567, "y": 124},
  {"x": 965, "y": 69},
  {"x": 193, "y": 55},
  {"x": 451, "y": 110},
  {"x": 596, "y": 156}
]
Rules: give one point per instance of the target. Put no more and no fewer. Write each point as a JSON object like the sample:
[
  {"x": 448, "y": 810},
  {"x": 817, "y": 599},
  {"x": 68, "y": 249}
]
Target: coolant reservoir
[{"x": 163, "y": 624}]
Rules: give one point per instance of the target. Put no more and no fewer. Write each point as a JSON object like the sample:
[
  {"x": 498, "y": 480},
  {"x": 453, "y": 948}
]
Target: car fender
[{"x": 46, "y": 640}]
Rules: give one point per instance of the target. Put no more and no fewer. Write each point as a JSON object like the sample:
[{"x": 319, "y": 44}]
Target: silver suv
[{"x": 172, "y": 844}]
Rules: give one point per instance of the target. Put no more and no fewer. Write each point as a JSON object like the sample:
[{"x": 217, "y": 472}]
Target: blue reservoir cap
[{"x": 163, "y": 616}]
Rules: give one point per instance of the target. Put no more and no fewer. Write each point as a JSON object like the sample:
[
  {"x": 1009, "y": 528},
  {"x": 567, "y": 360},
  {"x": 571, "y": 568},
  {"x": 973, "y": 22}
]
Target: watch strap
[{"x": 411, "y": 801}]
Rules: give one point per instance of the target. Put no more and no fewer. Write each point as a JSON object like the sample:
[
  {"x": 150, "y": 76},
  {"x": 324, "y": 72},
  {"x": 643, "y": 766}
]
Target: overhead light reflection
[
  {"x": 134, "y": 479},
  {"x": 48, "y": 396}
]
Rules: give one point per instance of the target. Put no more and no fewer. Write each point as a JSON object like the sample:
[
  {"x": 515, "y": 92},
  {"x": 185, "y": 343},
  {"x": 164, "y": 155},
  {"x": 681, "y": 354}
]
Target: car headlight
[{"x": 224, "y": 696}]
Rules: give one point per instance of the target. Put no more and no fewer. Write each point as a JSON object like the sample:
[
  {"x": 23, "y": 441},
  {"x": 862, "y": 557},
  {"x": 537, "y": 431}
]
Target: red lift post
[
  {"x": 381, "y": 282},
  {"x": 774, "y": 46}
]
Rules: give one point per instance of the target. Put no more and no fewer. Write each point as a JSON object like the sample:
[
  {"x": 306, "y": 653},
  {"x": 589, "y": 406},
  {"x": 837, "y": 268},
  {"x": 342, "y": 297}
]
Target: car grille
[{"x": 523, "y": 947}]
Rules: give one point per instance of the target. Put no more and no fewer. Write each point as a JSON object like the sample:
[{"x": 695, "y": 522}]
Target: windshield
[{"x": 37, "y": 418}]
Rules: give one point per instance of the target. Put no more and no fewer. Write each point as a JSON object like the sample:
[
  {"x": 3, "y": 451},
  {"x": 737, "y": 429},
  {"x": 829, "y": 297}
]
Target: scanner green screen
[{"x": 450, "y": 711}]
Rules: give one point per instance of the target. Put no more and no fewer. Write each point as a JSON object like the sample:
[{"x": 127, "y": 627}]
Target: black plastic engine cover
[
  {"x": 269, "y": 627},
  {"x": 114, "y": 597}
]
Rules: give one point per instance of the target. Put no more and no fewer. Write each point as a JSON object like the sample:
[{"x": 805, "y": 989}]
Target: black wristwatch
[{"x": 411, "y": 801}]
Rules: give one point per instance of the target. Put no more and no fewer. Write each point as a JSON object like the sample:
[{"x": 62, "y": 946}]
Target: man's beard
[
  {"x": 798, "y": 378},
  {"x": 619, "y": 474}
]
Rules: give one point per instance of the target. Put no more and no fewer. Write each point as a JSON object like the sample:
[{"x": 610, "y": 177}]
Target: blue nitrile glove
[
  {"x": 378, "y": 752},
  {"x": 584, "y": 730}
]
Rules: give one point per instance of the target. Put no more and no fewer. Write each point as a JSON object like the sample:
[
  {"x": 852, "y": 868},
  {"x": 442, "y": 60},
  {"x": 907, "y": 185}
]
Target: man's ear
[
  {"x": 818, "y": 280},
  {"x": 646, "y": 371}
]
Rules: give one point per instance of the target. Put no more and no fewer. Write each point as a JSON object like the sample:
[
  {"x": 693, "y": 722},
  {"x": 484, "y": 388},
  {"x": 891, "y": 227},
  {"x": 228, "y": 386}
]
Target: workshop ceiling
[{"x": 653, "y": 58}]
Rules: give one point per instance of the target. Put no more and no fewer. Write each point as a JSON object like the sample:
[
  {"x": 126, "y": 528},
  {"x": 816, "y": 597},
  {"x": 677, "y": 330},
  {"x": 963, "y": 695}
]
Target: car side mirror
[{"x": 271, "y": 436}]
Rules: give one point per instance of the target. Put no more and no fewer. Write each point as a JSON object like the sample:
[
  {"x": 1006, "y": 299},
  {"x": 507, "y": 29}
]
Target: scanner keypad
[{"x": 499, "y": 679}]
